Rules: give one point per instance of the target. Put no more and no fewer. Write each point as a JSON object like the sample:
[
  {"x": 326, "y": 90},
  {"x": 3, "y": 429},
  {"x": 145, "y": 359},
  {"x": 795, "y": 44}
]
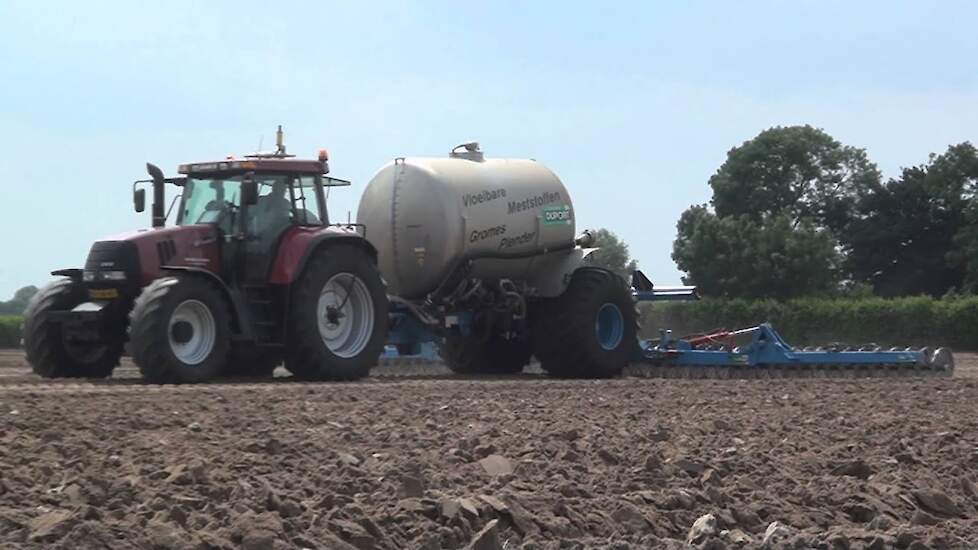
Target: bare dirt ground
[{"x": 431, "y": 461}]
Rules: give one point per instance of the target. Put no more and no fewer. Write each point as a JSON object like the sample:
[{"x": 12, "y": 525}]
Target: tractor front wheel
[
  {"x": 338, "y": 322},
  {"x": 50, "y": 353},
  {"x": 180, "y": 330}
]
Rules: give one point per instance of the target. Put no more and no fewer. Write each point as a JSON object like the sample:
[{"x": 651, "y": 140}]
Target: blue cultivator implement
[{"x": 760, "y": 352}]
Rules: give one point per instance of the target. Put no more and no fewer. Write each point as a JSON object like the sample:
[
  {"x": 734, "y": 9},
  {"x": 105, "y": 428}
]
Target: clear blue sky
[{"x": 634, "y": 105}]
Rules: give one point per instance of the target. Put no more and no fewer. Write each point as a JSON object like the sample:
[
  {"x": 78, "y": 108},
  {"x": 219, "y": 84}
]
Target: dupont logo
[{"x": 557, "y": 215}]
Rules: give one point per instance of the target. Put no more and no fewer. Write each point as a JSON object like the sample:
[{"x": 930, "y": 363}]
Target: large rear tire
[
  {"x": 49, "y": 353},
  {"x": 180, "y": 330},
  {"x": 589, "y": 331},
  {"x": 337, "y": 325},
  {"x": 470, "y": 355}
]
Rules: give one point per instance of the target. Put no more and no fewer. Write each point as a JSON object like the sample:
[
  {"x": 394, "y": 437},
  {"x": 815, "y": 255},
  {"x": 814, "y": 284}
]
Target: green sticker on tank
[{"x": 557, "y": 215}]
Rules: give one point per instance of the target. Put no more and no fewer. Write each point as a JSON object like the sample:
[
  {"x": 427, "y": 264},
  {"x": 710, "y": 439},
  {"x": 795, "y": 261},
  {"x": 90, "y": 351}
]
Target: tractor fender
[
  {"x": 298, "y": 247},
  {"x": 240, "y": 327},
  {"x": 552, "y": 272}
]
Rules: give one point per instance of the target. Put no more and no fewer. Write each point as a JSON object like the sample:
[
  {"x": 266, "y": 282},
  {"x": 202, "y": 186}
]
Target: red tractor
[{"x": 252, "y": 274}]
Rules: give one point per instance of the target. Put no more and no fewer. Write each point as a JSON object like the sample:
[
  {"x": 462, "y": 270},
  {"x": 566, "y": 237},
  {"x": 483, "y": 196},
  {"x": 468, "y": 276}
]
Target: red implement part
[{"x": 721, "y": 337}]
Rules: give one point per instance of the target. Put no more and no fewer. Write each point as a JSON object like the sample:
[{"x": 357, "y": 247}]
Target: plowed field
[{"x": 427, "y": 460}]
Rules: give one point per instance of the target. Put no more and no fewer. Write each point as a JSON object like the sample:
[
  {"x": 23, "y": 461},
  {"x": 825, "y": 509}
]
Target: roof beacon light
[
  {"x": 323, "y": 155},
  {"x": 279, "y": 142}
]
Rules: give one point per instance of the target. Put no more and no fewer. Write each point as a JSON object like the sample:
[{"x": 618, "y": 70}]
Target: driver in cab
[{"x": 273, "y": 212}]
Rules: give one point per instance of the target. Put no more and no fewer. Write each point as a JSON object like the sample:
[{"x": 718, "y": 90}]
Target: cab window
[
  {"x": 305, "y": 201},
  {"x": 208, "y": 200}
]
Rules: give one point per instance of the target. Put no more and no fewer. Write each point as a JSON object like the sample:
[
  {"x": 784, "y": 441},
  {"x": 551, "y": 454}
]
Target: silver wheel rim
[
  {"x": 192, "y": 331},
  {"x": 346, "y": 315}
]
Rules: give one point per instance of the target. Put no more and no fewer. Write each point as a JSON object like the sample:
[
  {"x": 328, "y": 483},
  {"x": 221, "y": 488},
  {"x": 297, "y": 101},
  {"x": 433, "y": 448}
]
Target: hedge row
[
  {"x": 10, "y": 331},
  {"x": 813, "y": 321},
  {"x": 902, "y": 321}
]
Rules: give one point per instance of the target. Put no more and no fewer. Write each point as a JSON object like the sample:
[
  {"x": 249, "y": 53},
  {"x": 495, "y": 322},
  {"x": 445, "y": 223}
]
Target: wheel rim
[
  {"x": 609, "y": 326},
  {"x": 193, "y": 332},
  {"x": 345, "y": 313}
]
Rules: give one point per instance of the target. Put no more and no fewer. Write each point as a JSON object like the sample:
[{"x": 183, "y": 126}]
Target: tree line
[
  {"x": 796, "y": 213},
  {"x": 17, "y": 304}
]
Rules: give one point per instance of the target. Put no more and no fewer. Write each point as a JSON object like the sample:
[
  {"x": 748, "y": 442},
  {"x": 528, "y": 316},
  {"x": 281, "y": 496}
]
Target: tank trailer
[{"x": 481, "y": 256}]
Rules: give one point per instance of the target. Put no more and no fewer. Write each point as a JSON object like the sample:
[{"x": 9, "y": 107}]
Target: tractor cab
[{"x": 249, "y": 204}]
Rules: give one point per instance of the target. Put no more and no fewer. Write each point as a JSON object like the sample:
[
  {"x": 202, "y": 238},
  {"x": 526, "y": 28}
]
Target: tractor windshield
[
  {"x": 282, "y": 199},
  {"x": 208, "y": 200}
]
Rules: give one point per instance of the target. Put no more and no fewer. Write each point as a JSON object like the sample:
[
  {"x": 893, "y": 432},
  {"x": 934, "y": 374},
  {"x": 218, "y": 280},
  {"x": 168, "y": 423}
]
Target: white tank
[{"x": 425, "y": 215}]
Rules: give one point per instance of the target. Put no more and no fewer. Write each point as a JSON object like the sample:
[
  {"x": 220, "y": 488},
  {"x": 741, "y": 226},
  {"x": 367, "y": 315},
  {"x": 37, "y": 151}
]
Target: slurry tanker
[{"x": 481, "y": 255}]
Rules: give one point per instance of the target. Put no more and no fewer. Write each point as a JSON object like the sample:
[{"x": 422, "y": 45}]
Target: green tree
[
  {"x": 612, "y": 254},
  {"x": 780, "y": 201},
  {"x": 916, "y": 234},
  {"x": 18, "y": 303},
  {"x": 967, "y": 242},
  {"x": 739, "y": 257},
  {"x": 798, "y": 171}
]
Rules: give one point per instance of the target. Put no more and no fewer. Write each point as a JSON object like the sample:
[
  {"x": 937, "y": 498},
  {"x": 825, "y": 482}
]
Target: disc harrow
[{"x": 768, "y": 356}]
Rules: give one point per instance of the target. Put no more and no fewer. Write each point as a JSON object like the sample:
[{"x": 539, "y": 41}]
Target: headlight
[
  {"x": 88, "y": 276},
  {"x": 114, "y": 275}
]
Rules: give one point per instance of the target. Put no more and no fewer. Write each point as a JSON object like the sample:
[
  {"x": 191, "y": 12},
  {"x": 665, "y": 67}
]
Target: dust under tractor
[{"x": 478, "y": 257}]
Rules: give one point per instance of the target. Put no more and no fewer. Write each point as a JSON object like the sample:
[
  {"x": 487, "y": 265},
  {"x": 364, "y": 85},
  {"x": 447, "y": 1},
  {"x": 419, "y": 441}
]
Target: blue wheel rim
[{"x": 609, "y": 327}]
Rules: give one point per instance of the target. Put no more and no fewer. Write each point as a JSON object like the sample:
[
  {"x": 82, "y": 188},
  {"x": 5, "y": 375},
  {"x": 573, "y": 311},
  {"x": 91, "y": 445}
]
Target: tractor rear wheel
[
  {"x": 590, "y": 330},
  {"x": 338, "y": 321},
  {"x": 50, "y": 354},
  {"x": 179, "y": 330},
  {"x": 470, "y": 355}
]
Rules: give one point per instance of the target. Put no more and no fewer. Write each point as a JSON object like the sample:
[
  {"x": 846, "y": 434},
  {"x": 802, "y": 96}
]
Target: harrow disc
[{"x": 942, "y": 361}]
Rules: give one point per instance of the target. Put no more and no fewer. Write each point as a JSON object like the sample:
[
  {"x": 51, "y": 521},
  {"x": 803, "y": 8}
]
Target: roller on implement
[{"x": 760, "y": 352}]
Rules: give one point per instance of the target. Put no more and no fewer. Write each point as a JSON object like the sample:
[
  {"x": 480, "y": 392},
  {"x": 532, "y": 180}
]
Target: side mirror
[
  {"x": 249, "y": 192},
  {"x": 154, "y": 172},
  {"x": 139, "y": 199}
]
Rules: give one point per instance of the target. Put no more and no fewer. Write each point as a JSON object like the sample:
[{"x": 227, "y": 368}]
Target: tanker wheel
[
  {"x": 179, "y": 330},
  {"x": 470, "y": 355},
  {"x": 590, "y": 330},
  {"x": 50, "y": 354},
  {"x": 253, "y": 361},
  {"x": 338, "y": 323}
]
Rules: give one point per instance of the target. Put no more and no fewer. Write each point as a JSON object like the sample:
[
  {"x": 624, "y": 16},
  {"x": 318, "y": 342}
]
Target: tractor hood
[{"x": 142, "y": 254}]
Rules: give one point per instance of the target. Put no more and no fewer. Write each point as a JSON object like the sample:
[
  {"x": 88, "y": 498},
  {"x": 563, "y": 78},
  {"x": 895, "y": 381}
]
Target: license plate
[{"x": 103, "y": 293}]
